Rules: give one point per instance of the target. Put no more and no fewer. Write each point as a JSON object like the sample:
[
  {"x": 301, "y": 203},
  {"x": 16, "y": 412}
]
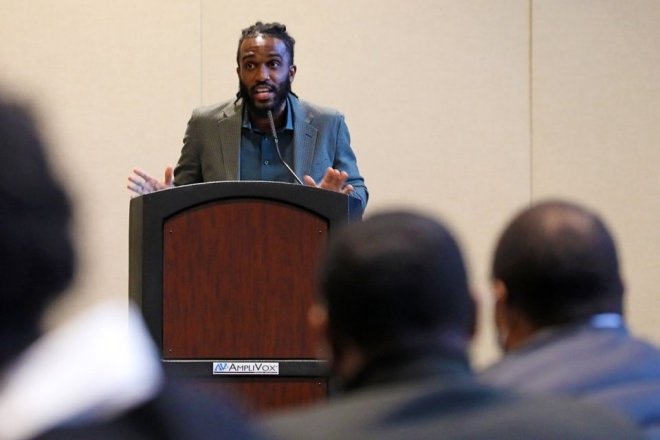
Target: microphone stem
[{"x": 277, "y": 147}]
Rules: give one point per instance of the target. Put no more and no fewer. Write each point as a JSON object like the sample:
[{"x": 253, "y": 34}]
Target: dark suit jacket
[
  {"x": 607, "y": 366},
  {"x": 433, "y": 397},
  {"x": 176, "y": 413},
  {"x": 211, "y": 146}
]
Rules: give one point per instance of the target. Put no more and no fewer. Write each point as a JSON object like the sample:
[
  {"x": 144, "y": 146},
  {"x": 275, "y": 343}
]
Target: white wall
[{"x": 466, "y": 109}]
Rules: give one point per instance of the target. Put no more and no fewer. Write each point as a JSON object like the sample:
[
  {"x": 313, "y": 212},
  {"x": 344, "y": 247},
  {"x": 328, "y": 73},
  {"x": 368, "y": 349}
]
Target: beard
[{"x": 282, "y": 90}]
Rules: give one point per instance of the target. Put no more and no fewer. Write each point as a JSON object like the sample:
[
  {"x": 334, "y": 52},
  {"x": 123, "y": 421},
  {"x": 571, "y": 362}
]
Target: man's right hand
[{"x": 142, "y": 183}]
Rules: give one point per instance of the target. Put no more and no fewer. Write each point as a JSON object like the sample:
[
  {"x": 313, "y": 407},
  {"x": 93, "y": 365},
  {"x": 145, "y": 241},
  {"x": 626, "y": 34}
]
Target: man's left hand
[{"x": 333, "y": 180}]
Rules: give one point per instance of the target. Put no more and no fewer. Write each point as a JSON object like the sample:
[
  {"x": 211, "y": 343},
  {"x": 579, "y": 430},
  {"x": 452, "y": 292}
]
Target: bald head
[{"x": 559, "y": 264}]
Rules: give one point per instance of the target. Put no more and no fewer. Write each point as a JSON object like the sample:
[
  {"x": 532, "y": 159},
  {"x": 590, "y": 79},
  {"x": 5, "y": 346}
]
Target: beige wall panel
[
  {"x": 113, "y": 83},
  {"x": 435, "y": 94},
  {"x": 596, "y": 107}
]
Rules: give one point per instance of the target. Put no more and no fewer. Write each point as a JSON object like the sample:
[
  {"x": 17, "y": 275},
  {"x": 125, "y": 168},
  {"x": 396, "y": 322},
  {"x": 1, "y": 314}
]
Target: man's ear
[
  {"x": 501, "y": 311},
  {"x": 514, "y": 327},
  {"x": 317, "y": 317},
  {"x": 474, "y": 314},
  {"x": 500, "y": 291},
  {"x": 292, "y": 72},
  {"x": 500, "y": 294}
]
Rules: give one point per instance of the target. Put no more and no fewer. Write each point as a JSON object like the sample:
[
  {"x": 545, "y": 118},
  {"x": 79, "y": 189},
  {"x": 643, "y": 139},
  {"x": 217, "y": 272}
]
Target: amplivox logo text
[{"x": 269, "y": 368}]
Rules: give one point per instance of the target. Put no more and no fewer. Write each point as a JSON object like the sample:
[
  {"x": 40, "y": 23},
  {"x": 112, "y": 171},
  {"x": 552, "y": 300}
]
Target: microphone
[{"x": 277, "y": 147}]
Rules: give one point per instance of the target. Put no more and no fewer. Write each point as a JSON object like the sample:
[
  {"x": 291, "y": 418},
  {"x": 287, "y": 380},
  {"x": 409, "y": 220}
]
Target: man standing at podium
[{"x": 266, "y": 132}]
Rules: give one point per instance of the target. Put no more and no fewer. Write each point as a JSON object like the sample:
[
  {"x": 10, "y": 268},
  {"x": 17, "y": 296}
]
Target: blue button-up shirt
[{"x": 259, "y": 159}]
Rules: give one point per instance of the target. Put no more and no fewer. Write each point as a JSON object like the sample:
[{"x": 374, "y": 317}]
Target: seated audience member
[
  {"x": 93, "y": 377},
  {"x": 559, "y": 305},
  {"x": 397, "y": 315}
]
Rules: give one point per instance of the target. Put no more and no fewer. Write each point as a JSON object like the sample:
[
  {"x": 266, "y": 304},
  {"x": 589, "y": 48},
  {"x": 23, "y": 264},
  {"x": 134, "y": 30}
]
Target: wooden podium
[{"x": 224, "y": 275}]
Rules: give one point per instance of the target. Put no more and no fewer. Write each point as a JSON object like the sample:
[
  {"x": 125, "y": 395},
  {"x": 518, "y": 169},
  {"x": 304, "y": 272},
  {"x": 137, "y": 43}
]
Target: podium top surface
[{"x": 328, "y": 204}]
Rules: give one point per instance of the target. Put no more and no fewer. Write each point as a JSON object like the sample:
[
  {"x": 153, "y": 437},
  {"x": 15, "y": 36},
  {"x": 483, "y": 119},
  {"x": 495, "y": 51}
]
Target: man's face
[{"x": 265, "y": 73}]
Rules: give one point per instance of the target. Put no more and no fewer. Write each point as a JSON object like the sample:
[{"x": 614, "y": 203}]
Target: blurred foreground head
[
  {"x": 37, "y": 253},
  {"x": 555, "y": 263},
  {"x": 391, "y": 282}
]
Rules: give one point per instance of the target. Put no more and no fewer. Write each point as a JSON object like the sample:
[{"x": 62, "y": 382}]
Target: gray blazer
[
  {"x": 211, "y": 146},
  {"x": 607, "y": 366}
]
